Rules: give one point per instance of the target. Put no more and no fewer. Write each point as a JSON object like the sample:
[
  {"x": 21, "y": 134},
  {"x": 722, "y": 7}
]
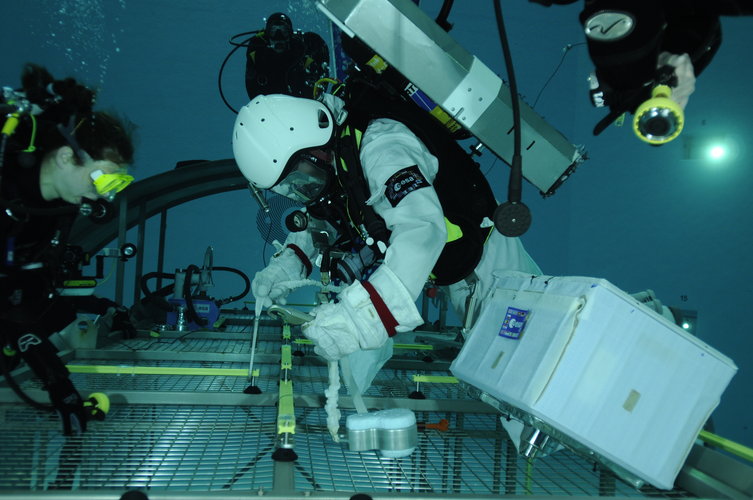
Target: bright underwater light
[
  {"x": 717, "y": 151},
  {"x": 709, "y": 148}
]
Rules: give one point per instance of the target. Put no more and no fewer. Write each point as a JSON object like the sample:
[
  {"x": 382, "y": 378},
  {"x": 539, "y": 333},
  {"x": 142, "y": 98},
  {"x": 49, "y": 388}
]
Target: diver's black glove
[{"x": 69, "y": 406}]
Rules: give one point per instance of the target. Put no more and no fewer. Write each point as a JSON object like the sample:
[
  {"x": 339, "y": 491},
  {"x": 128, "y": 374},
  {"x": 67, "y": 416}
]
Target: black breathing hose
[
  {"x": 227, "y": 58},
  {"x": 162, "y": 292},
  {"x": 512, "y": 218},
  {"x": 245, "y": 279},
  {"x": 188, "y": 296},
  {"x": 514, "y": 187}
]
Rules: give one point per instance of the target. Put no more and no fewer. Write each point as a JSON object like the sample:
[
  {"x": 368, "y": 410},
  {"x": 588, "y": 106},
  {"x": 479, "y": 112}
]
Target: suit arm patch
[{"x": 403, "y": 182}]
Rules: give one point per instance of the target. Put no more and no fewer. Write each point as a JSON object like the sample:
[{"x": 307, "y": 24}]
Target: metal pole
[
  {"x": 140, "y": 254},
  {"x": 161, "y": 250},
  {"x": 120, "y": 265}
]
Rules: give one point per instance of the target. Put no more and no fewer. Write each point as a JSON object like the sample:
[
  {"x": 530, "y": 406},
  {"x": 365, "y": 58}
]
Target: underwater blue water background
[{"x": 640, "y": 216}]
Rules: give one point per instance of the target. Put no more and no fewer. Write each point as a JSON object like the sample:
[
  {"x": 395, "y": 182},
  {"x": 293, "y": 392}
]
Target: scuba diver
[
  {"x": 58, "y": 158},
  {"x": 647, "y": 56},
  {"x": 382, "y": 186},
  {"x": 280, "y": 60}
]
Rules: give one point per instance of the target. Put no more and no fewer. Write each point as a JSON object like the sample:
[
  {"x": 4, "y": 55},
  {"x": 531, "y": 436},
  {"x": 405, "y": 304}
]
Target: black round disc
[{"x": 512, "y": 219}]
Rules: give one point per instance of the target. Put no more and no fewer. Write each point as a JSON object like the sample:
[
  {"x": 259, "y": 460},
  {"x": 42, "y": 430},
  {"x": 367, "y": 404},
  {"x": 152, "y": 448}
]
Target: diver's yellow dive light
[{"x": 660, "y": 119}]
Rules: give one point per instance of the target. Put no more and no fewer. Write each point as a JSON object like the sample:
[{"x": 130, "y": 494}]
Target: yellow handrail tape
[
  {"x": 725, "y": 444},
  {"x": 415, "y": 347},
  {"x": 285, "y": 409},
  {"x": 435, "y": 379},
  {"x": 287, "y": 358},
  {"x": 159, "y": 370}
]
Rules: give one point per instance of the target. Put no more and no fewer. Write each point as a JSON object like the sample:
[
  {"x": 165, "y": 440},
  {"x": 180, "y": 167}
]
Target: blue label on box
[{"x": 515, "y": 321}]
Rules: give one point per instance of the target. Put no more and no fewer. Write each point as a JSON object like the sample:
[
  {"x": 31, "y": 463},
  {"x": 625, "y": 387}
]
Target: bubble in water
[{"x": 86, "y": 28}]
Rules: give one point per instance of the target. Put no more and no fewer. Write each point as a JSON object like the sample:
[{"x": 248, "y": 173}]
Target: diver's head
[
  {"x": 87, "y": 159},
  {"x": 279, "y": 31},
  {"x": 65, "y": 176},
  {"x": 283, "y": 143}
]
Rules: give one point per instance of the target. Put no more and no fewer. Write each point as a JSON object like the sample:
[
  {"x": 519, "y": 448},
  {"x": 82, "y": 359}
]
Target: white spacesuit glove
[
  {"x": 268, "y": 285},
  {"x": 685, "y": 76},
  {"x": 355, "y": 322}
]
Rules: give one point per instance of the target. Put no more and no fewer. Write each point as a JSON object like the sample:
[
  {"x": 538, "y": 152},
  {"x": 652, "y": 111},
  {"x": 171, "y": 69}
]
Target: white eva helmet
[{"x": 271, "y": 129}]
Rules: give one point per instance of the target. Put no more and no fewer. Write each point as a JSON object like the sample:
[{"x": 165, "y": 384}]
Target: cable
[
  {"x": 164, "y": 291},
  {"x": 444, "y": 13},
  {"x": 512, "y": 218},
  {"x": 266, "y": 238},
  {"x": 514, "y": 187},
  {"x": 242, "y": 275},
  {"x": 227, "y": 58},
  {"x": 565, "y": 50},
  {"x": 188, "y": 296},
  {"x": 109, "y": 275}
]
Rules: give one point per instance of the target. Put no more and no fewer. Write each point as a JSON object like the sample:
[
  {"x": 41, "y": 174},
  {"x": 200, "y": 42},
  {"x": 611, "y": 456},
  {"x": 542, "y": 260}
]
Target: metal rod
[
  {"x": 140, "y": 238},
  {"x": 120, "y": 264},
  {"x": 161, "y": 248}
]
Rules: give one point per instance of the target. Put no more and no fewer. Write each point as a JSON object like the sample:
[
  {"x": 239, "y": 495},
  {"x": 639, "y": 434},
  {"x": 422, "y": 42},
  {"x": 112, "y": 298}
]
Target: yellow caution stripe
[
  {"x": 159, "y": 370},
  {"x": 285, "y": 409},
  {"x": 286, "y": 362},
  {"x": 435, "y": 379}
]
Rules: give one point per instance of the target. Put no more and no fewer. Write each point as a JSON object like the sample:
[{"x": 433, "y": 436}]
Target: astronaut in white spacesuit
[{"x": 297, "y": 148}]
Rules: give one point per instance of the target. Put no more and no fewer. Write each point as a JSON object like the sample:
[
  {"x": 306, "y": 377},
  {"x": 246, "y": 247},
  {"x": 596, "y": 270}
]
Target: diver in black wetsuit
[
  {"x": 280, "y": 60},
  {"x": 638, "y": 45},
  {"x": 58, "y": 158}
]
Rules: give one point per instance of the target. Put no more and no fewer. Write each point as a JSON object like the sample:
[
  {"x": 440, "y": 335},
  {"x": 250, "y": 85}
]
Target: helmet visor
[{"x": 305, "y": 181}]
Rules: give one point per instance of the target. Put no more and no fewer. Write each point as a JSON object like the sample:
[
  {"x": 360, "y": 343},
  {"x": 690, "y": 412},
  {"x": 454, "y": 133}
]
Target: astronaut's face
[{"x": 307, "y": 178}]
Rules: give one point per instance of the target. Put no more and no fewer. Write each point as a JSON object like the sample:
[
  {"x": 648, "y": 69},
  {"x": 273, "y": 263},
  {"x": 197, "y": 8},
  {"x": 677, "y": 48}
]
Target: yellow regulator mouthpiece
[
  {"x": 659, "y": 119},
  {"x": 110, "y": 184}
]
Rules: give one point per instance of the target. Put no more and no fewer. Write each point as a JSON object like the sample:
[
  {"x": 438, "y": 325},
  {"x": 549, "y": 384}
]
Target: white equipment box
[{"x": 597, "y": 366}]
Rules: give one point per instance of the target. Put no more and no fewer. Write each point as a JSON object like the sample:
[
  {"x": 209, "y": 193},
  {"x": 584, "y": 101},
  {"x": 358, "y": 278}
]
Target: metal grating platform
[
  {"x": 153, "y": 447},
  {"x": 228, "y": 444},
  {"x": 206, "y": 448}
]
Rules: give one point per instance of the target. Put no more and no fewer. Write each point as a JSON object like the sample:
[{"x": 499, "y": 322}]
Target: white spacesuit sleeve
[
  {"x": 399, "y": 170},
  {"x": 292, "y": 263},
  {"x": 388, "y": 152}
]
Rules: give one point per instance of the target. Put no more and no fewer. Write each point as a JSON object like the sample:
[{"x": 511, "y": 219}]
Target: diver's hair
[
  {"x": 105, "y": 136},
  {"x": 69, "y": 104}
]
